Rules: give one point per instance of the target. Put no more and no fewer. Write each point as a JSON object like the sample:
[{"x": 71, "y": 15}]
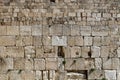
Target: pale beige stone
[
  {"x": 37, "y": 40},
  {"x": 51, "y": 64},
  {"x": 75, "y": 52},
  {"x": 110, "y": 74},
  {"x": 70, "y": 64},
  {"x": 29, "y": 64},
  {"x": 104, "y": 51},
  {"x": 39, "y": 64},
  {"x": 85, "y": 30},
  {"x": 3, "y": 30},
  {"x": 19, "y": 63},
  {"x": 30, "y": 51},
  {"x": 88, "y": 41},
  {"x": 14, "y": 52},
  {"x": 28, "y": 75},
  {"x": 7, "y": 40},
  {"x": 25, "y": 30},
  {"x": 75, "y": 30},
  {"x": 95, "y": 51},
  {"x": 71, "y": 41},
  {"x": 79, "y": 41},
  {"x": 97, "y": 41},
  {"x": 85, "y": 51},
  {"x": 98, "y": 63},
  {"x": 37, "y": 30},
  {"x": 12, "y": 30}
]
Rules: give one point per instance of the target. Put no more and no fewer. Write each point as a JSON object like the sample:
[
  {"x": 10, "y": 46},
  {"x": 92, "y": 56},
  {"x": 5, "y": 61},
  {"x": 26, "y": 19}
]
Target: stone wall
[{"x": 59, "y": 39}]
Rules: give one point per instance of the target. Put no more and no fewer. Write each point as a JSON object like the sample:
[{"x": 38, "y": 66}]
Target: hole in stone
[
  {"x": 89, "y": 54},
  {"x": 52, "y": 1},
  {"x": 61, "y": 52},
  {"x": 77, "y": 74}
]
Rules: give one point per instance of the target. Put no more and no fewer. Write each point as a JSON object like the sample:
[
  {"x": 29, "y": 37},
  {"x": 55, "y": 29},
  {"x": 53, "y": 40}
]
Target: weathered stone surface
[
  {"x": 25, "y": 30},
  {"x": 7, "y": 40},
  {"x": 19, "y": 63},
  {"x": 37, "y": 30},
  {"x": 85, "y": 52},
  {"x": 75, "y": 52},
  {"x": 98, "y": 63},
  {"x": 51, "y": 63},
  {"x": 40, "y": 64},
  {"x": 95, "y": 51},
  {"x": 3, "y": 30},
  {"x": 110, "y": 74},
  {"x": 13, "y": 30},
  {"x": 88, "y": 41},
  {"x": 79, "y": 41},
  {"x": 85, "y": 30},
  {"x": 59, "y": 41}
]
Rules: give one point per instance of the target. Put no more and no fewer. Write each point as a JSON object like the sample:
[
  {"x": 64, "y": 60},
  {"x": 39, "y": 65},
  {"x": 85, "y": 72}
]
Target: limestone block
[
  {"x": 14, "y": 52},
  {"x": 107, "y": 63},
  {"x": 85, "y": 51},
  {"x": 15, "y": 75},
  {"x": 95, "y": 51},
  {"x": 118, "y": 51},
  {"x": 30, "y": 51},
  {"x": 104, "y": 51},
  {"x": 85, "y": 30},
  {"x": 56, "y": 30},
  {"x": 47, "y": 40},
  {"x": 51, "y": 64},
  {"x": 98, "y": 63},
  {"x": 7, "y": 40},
  {"x": 96, "y": 74},
  {"x": 39, "y": 64},
  {"x": 71, "y": 41},
  {"x": 110, "y": 74},
  {"x": 70, "y": 64},
  {"x": 46, "y": 30},
  {"x": 9, "y": 63},
  {"x": 75, "y": 52},
  {"x": 37, "y": 40},
  {"x": 38, "y": 75},
  {"x": 3, "y": 30},
  {"x": 89, "y": 63},
  {"x": 97, "y": 41},
  {"x": 39, "y": 52},
  {"x": 79, "y": 41},
  {"x": 106, "y": 15},
  {"x": 118, "y": 74},
  {"x": 80, "y": 64},
  {"x": 45, "y": 75},
  {"x": 2, "y": 51},
  {"x": 87, "y": 41},
  {"x": 67, "y": 51},
  {"x": 72, "y": 14},
  {"x": 59, "y": 41},
  {"x": 100, "y": 31},
  {"x": 37, "y": 30},
  {"x": 66, "y": 30},
  {"x": 24, "y": 40},
  {"x": 3, "y": 77},
  {"x": 28, "y": 75},
  {"x": 115, "y": 63},
  {"x": 29, "y": 64},
  {"x": 105, "y": 41},
  {"x": 19, "y": 63},
  {"x": 25, "y": 30},
  {"x": 75, "y": 30},
  {"x": 12, "y": 30}
]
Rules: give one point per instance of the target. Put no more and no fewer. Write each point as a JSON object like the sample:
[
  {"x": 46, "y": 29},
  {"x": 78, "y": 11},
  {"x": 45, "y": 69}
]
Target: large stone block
[
  {"x": 85, "y": 30},
  {"x": 30, "y": 51},
  {"x": 110, "y": 74},
  {"x": 95, "y": 51},
  {"x": 13, "y": 30},
  {"x": 3, "y": 30},
  {"x": 75, "y": 52},
  {"x": 39, "y": 64},
  {"x": 59, "y": 41},
  {"x": 19, "y": 63},
  {"x": 51, "y": 64},
  {"x": 97, "y": 41},
  {"x": 37, "y": 30},
  {"x": 25, "y": 30},
  {"x": 7, "y": 40},
  {"x": 79, "y": 41},
  {"x": 88, "y": 41},
  {"x": 85, "y": 52}
]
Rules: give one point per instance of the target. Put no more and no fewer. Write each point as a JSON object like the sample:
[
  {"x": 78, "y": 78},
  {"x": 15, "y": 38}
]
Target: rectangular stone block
[
  {"x": 71, "y": 40},
  {"x": 59, "y": 41},
  {"x": 25, "y": 30},
  {"x": 7, "y": 40},
  {"x": 38, "y": 40},
  {"x": 70, "y": 64},
  {"x": 75, "y": 52},
  {"x": 19, "y": 63},
  {"x": 97, "y": 41},
  {"x": 85, "y": 30},
  {"x": 88, "y": 41},
  {"x": 30, "y": 51},
  {"x": 13, "y": 30},
  {"x": 37, "y": 30},
  {"x": 85, "y": 52},
  {"x": 95, "y": 51},
  {"x": 104, "y": 51},
  {"x": 29, "y": 64},
  {"x": 66, "y": 30},
  {"x": 39, "y": 64},
  {"x": 79, "y": 41},
  {"x": 14, "y": 52},
  {"x": 98, "y": 63},
  {"x": 24, "y": 40},
  {"x": 51, "y": 64},
  {"x": 28, "y": 75},
  {"x": 110, "y": 74},
  {"x": 3, "y": 30}
]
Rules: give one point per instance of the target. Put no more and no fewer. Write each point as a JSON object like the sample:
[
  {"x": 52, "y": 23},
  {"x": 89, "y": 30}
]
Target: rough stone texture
[{"x": 59, "y": 39}]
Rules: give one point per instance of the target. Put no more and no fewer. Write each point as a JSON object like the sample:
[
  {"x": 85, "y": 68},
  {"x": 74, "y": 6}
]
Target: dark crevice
[
  {"x": 60, "y": 52},
  {"x": 52, "y": 1}
]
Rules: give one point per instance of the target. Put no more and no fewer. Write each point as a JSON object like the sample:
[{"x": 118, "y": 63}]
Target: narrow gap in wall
[
  {"x": 60, "y": 52},
  {"x": 52, "y": 1},
  {"x": 48, "y": 75},
  {"x": 42, "y": 75}
]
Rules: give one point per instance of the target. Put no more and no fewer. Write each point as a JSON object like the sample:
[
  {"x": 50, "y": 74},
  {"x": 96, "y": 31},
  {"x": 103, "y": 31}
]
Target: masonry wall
[{"x": 59, "y": 39}]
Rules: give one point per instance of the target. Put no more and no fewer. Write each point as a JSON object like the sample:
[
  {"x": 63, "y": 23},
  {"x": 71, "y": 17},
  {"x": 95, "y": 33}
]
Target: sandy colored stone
[
  {"x": 39, "y": 64},
  {"x": 13, "y": 30}
]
